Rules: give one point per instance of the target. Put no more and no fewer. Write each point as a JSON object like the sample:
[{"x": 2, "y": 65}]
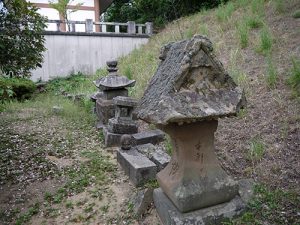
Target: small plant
[
  {"x": 296, "y": 14},
  {"x": 189, "y": 33},
  {"x": 294, "y": 79},
  {"x": 257, "y": 149},
  {"x": 254, "y": 22},
  {"x": 105, "y": 208},
  {"x": 272, "y": 74},
  {"x": 243, "y": 33},
  {"x": 27, "y": 216},
  {"x": 279, "y": 6},
  {"x": 69, "y": 205},
  {"x": 203, "y": 29},
  {"x": 224, "y": 12},
  {"x": 258, "y": 7},
  {"x": 266, "y": 41},
  {"x": 128, "y": 72}
]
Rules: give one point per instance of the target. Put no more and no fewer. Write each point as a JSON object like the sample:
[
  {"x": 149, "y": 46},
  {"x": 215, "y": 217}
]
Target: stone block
[
  {"x": 105, "y": 109},
  {"x": 137, "y": 166},
  {"x": 125, "y": 101},
  {"x": 110, "y": 94},
  {"x": 111, "y": 139},
  {"x": 170, "y": 215},
  {"x": 151, "y": 136},
  {"x": 156, "y": 154},
  {"x": 122, "y": 126},
  {"x": 142, "y": 200}
]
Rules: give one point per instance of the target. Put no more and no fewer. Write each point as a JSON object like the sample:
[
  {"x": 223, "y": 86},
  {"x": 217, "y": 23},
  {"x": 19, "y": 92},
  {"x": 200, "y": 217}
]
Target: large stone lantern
[{"x": 185, "y": 98}]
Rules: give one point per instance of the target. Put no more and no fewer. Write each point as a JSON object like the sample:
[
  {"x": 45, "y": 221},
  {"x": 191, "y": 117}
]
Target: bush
[
  {"x": 19, "y": 88},
  {"x": 21, "y": 38}
]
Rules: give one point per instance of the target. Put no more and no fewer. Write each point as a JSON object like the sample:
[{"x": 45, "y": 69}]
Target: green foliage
[
  {"x": 224, "y": 12},
  {"x": 254, "y": 22},
  {"x": 272, "y": 74},
  {"x": 258, "y": 7},
  {"x": 157, "y": 11},
  {"x": 243, "y": 33},
  {"x": 279, "y": 6},
  {"x": 21, "y": 39},
  {"x": 296, "y": 14},
  {"x": 294, "y": 79},
  {"x": 27, "y": 216},
  {"x": 266, "y": 41},
  {"x": 257, "y": 149},
  {"x": 62, "y": 7},
  {"x": 19, "y": 88}
]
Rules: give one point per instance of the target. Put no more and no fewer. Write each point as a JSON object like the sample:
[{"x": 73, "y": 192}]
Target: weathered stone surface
[
  {"x": 105, "y": 109},
  {"x": 111, "y": 139},
  {"x": 160, "y": 158},
  {"x": 111, "y": 94},
  {"x": 96, "y": 95},
  {"x": 246, "y": 189},
  {"x": 122, "y": 126},
  {"x": 190, "y": 84},
  {"x": 126, "y": 142},
  {"x": 137, "y": 166},
  {"x": 151, "y": 136},
  {"x": 214, "y": 215},
  {"x": 156, "y": 154},
  {"x": 125, "y": 101},
  {"x": 142, "y": 200},
  {"x": 194, "y": 179}
]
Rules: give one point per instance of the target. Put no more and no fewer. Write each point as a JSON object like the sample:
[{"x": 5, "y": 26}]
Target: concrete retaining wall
[{"x": 83, "y": 52}]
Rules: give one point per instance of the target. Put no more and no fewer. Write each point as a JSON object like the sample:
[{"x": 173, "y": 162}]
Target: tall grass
[
  {"x": 224, "y": 12},
  {"x": 272, "y": 74},
  {"x": 254, "y": 21},
  {"x": 279, "y": 6},
  {"x": 258, "y": 7},
  {"x": 266, "y": 41},
  {"x": 243, "y": 34},
  {"x": 294, "y": 79}
]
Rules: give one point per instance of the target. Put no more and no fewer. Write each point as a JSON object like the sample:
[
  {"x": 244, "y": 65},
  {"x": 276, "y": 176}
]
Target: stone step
[
  {"x": 137, "y": 166},
  {"x": 150, "y": 136}
]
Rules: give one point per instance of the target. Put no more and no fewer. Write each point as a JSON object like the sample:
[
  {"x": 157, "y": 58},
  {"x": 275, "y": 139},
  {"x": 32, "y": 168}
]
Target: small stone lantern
[
  {"x": 110, "y": 86},
  {"x": 185, "y": 98}
]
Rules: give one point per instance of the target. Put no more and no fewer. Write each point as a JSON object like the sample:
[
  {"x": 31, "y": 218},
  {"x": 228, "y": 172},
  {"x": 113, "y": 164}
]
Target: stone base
[
  {"x": 137, "y": 166},
  {"x": 111, "y": 139},
  {"x": 151, "y": 136},
  {"x": 122, "y": 126},
  {"x": 105, "y": 109},
  {"x": 217, "y": 214}
]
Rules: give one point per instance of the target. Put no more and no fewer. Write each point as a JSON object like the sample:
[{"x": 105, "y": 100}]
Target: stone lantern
[
  {"x": 185, "y": 98},
  {"x": 110, "y": 86}
]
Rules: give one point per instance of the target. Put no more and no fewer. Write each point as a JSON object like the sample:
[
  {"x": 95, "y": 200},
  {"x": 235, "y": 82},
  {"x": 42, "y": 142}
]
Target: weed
[
  {"x": 105, "y": 208},
  {"x": 48, "y": 196},
  {"x": 168, "y": 145},
  {"x": 258, "y": 7},
  {"x": 203, "y": 29},
  {"x": 266, "y": 41},
  {"x": 279, "y": 6},
  {"x": 257, "y": 149},
  {"x": 254, "y": 22},
  {"x": 189, "y": 33},
  {"x": 294, "y": 79},
  {"x": 69, "y": 205},
  {"x": 296, "y": 14},
  {"x": 224, "y": 12},
  {"x": 89, "y": 207},
  {"x": 151, "y": 184},
  {"x": 242, "y": 113},
  {"x": 128, "y": 72},
  {"x": 27, "y": 216},
  {"x": 243, "y": 34},
  {"x": 272, "y": 74},
  {"x": 242, "y": 3}
]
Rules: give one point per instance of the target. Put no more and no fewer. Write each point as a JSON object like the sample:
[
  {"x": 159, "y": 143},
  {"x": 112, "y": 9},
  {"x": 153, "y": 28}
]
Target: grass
[
  {"x": 294, "y": 78},
  {"x": 270, "y": 205},
  {"x": 266, "y": 41},
  {"x": 257, "y": 149},
  {"x": 272, "y": 74},
  {"x": 224, "y": 12},
  {"x": 243, "y": 34},
  {"x": 258, "y": 7},
  {"x": 279, "y": 6},
  {"x": 254, "y": 21},
  {"x": 25, "y": 217}
]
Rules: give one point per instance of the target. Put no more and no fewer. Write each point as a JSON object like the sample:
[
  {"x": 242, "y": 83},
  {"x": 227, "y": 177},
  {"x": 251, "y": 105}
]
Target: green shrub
[
  {"x": 243, "y": 33},
  {"x": 266, "y": 41},
  {"x": 254, "y": 22},
  {"x": 19, "y": 88}
]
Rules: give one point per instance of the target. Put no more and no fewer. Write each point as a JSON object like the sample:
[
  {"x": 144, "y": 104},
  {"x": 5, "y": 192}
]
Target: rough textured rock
[
  {"x": 142, "y": 200},
  {"x": 150, "y": 136},
  {"x": 190, "y": 84},
  {"x": 137, "y": 166},
  {"x": 122, "y": 126},
  {"x": 111, "y": 139}
]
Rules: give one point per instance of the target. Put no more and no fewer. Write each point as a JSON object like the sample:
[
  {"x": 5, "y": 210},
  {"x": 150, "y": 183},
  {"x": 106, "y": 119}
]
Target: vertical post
[
  {"x": 140, "y": 29},
  {"x": 117, "y": 29},
  {"x": 104, "y": 28},
  {"x": 131, "y": 27},
  {"x": 58, "y": 26},
  {"x": 149, "y": 28},
  {"x": 73, "y": 29},
  {"x": 89, "y": 25}
]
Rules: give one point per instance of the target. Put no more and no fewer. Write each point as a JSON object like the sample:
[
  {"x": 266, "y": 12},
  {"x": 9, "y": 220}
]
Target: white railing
[{"x": 103, "y": 27}]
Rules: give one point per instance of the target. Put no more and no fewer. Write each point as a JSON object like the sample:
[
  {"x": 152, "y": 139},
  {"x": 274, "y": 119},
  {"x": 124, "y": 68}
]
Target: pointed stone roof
[{"x": 190, "y": 84}]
